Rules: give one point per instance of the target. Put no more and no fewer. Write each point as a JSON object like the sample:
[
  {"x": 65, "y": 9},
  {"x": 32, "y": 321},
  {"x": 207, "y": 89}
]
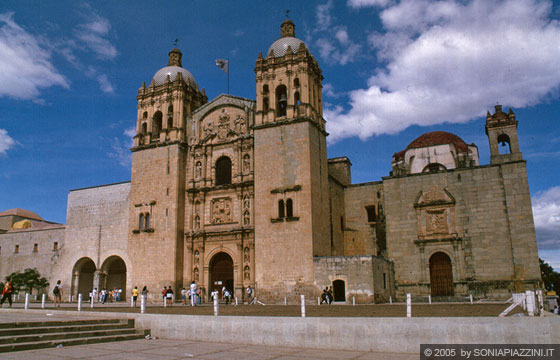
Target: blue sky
[{"x": 70, "y": 70}]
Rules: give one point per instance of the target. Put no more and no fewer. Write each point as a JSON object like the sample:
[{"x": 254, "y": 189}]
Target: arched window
[
  {"x": 141, "y": 222},
  {"x": 434, "y": 167},
  {"x": 504, "y": 145},
  {"x": 296, "y": 82},
  {"x": 156, "y": 125},
  {"x": 297, "y": 101},
  {"x": 289, "y": 208},
  {"x": 281, "y": 100},
  {"x": 170, "y": 117},
  {"x": 145, "y": 115},
  {"x": 281, "y": 209},
  {"x": 223, "y": 171},
  {"x": 147, "y": 224}
]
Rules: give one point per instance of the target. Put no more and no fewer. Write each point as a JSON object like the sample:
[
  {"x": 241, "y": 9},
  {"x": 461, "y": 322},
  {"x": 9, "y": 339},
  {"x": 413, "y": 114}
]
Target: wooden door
[{"x": 441, "y": 275}]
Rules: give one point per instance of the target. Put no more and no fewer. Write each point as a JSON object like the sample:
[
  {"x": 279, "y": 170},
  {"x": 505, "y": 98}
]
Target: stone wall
[
  {"x": 367, "y": 279},
  {"x": 43, "y": 259},
  {"x": 97, "y": 224},
  {"x": 484, "y": 226}
]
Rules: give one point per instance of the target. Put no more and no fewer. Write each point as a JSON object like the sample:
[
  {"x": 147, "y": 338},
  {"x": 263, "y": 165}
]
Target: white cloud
[
  {"x": 94, "y": 36},
  {"x": 25, "y": 65},
  {"x": 105, "y": 85},
  {"x": 367, "y": 3},
  {"x": 6, "y": 142},
  {"x": 121, "y": 149},
  {"x": 324, "y": 15},
  {"x": 448, "y": 62},
  {"x": 546, "y": 212},
  {"x": 341, "y": 51}
]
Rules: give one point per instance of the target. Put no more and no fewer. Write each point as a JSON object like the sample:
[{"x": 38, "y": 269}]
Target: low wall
[{"x": 397, "y": 335}]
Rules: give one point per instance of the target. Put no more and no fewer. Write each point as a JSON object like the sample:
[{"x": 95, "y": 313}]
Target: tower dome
[
  {"x": 173, "y": 67},
  {"x": 288, "y": 39}
]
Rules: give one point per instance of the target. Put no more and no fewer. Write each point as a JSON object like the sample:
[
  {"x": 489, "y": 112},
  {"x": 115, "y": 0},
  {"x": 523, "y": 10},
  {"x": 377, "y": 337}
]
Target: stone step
[
  {"x": 63, "y": 328},
  {"x": 59, "y": 323},
  {"x": 63, "y": 336},
  {"x": 70, "y": 342}
]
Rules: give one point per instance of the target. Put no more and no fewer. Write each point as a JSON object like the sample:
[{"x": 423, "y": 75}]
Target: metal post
[
  {"x": 353, "y": 300},
  {"x": 302, "y": 305},
  {"x": 285, "y": 301},
  {"x": 390, "y": 299},
  {"x": 192, "y": 299},
  {"x": 236, "y": 303},
  {"x": 132, "y": 301},
  {"x": 470, "y": 297},
  {"x": 143, "y": 304},
  {"x": 216, "y": 311},
  {"x": 408, "y": 305},
  {"x": 91, "y": 302},
  {"x": 164, "y": 301},
  {"x": 43, "y": 300},
  {"x": 318, "y": 301},
  {"x": 26, "y": 306},
  {"x": 80, "y": 302}
]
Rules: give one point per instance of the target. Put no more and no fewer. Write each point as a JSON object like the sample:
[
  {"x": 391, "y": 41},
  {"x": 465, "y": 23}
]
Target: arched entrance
[
  {"x": 221, "y": 272},
  {"x": 441, "y": 275},
  {"x": 82, "y": 277},
  {"x": 114, "y": 273},
  {"x": 339, "y": 289}
]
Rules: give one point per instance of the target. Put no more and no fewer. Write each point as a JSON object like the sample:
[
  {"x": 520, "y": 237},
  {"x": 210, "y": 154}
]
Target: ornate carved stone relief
[
  {"x": 435, "y": 210},
  {"x": 221, "y": 210}
]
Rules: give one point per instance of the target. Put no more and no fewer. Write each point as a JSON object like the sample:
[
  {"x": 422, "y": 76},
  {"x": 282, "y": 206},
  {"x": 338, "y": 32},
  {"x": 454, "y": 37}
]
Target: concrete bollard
[
  {"x": 164, "y": 301},
  {"x": 143, "y": 304},
  {"x": 79, "y": 302},
  {"x": 91, "y": 302},
  {"x": 285, "y": 301},
  {"x": 302, "y": 305},
  {"x": 353, "y": 300},
  {"x": 26, "y": 306},
  {"x": 430, "y": 299},
  {"x": 530, "y": 295},
  {"x": 408, "y": 305},
  {"x": 390, "y": 300},
  {"x": 541, "y": 302},
  {"x": 132, "y": 301},
  {"x": 318, "y": 301},
  {"x": 192, "y": 299},
  {"x": 216, "y": 306},
  {"x": 470, "y": 297},
  {"x": 236, "y": 303},
  {"x": 43, "y": 300}
]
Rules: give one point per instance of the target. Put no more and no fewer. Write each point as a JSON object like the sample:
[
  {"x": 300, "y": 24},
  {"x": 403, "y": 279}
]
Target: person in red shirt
[{"x": 7, "y": 292}]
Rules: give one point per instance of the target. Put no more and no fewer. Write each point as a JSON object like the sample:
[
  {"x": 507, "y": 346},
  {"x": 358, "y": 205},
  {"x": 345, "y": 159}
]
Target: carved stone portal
[
  {"x": 221, "y": 211},
  {"x": 436, "y": 222}
]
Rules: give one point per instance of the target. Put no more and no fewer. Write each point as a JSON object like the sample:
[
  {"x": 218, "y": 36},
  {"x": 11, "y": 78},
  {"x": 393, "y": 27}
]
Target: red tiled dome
[{"x": 435, "y": 138}]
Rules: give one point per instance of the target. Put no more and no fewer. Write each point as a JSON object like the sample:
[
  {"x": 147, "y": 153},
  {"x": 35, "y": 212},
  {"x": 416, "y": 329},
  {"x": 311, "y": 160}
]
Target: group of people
[
  {"x": 193, "y": 295},
  {"x": 327, "y": 296},
  {"x": 105, "y": 295}
]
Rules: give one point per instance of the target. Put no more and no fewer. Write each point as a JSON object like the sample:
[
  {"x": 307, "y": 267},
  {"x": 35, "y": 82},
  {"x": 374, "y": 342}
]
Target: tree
[
  {"x": 550, "y": 277},
  {"x": 28, "y": 280}
]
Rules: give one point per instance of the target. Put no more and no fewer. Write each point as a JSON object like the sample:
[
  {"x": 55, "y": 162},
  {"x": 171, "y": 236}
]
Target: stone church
[{"x": 236, "y": 192}]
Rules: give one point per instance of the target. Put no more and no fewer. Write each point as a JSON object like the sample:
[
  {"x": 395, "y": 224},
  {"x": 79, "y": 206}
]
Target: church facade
[{"x": 238, "y": 192}]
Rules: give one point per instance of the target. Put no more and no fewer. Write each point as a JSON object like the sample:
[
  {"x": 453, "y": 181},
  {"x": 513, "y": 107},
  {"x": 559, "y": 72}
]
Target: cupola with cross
[
  {"x": 288, "y": 81},
  {"x": 165, "y": 104}
]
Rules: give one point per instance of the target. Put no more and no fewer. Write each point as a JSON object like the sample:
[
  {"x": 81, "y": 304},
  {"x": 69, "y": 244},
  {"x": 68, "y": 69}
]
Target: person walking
[
  {"x": 134, "y": 295},
  {"x": 194, "y": 293},
  {"x": 57, "y": 292},
  {"x": 7, "y": 292}
]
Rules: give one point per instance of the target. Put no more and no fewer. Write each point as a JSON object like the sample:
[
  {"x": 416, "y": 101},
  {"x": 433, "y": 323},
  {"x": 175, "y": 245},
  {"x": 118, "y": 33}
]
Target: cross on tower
[
  {"x": 175, "y": 42},
  {"x": 287, "y": 13}
]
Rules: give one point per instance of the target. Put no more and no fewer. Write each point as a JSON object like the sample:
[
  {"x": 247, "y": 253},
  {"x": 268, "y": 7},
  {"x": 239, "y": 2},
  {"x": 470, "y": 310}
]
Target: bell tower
[
  {"x": 501, "y": 129},
  {"x": 291, "y": 176},
  {"x": 157, "y": 190}
]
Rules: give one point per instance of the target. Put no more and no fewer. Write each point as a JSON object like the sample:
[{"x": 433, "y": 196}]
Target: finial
[
  {"x": 287, "y": 13},
  {"x": 175, "y": 43}
]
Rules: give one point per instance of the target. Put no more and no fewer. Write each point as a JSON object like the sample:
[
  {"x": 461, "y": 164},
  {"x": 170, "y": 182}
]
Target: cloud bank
[
  {"x": 546, "y": 212},
  {"x": 26, "y": 66},
  {"x": 447, "y": 61}
]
